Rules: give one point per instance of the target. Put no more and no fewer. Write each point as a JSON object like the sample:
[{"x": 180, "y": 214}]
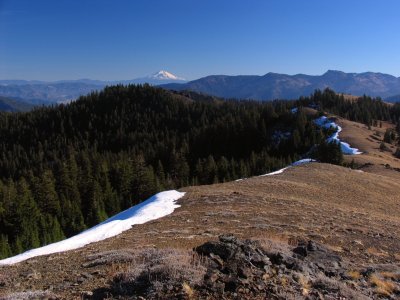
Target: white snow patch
[
  {"x": 275, "y": 172},
  {"x": 165, "y": 75},
  {"x": 302, "y": 162},
  {"x": 294, "y": 110},
  {"x": 155, "y": 207},
  {"x": 326, "y": 123},
  {"x": 296, "y": 163}
]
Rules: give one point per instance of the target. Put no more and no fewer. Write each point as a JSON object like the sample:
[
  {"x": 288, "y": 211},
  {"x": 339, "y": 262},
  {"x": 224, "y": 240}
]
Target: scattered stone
[
  {"x": 87, "y": 275},
  {"x": 86, "y": 294},
  {"x": 31, "y": 274},
  {"x": 230, "y": 268},
  {"x": 80, "y": 280}
]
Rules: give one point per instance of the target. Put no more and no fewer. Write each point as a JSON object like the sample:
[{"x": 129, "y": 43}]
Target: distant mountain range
[
  {"x": 43, "y": 92},
  {"x": 281, "y": 86},
  {"x": 267, "y": 87}
]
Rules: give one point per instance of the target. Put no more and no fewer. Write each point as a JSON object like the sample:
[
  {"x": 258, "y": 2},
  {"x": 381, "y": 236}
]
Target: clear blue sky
[{"x": 124, "y": 39}]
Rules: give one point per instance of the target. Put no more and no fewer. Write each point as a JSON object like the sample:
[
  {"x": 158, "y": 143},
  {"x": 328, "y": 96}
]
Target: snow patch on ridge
[
  {"x": 327, "y": 123},
  {"x": 155, "y": 207},
  {"x": 296, "y": 163}
]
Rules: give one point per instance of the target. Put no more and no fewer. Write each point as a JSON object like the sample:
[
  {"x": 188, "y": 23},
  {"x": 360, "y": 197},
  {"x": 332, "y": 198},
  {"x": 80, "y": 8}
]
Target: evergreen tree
[
  {"x": 68, "y": 167},
  {"x": 5, "y": 249},
  {"x": 330, "y": 153}
]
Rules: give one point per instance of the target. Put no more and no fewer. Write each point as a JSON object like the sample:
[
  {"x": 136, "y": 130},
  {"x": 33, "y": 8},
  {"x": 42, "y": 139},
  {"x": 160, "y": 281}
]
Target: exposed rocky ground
[
  {"x": 245, "y": 269},
  {"x": 230, "y": 268}
]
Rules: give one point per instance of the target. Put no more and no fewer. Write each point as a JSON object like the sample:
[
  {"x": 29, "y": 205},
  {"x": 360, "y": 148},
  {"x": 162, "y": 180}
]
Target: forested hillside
[
  {"x": 365, "y": 109},
  {"x": 68, "y": 167}
]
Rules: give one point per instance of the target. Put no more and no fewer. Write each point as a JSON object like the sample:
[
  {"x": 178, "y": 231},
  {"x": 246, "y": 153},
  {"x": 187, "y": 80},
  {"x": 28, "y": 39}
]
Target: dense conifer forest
[
  {"x": 68, "y": 167},
  {"x": 365, "y": 109}
]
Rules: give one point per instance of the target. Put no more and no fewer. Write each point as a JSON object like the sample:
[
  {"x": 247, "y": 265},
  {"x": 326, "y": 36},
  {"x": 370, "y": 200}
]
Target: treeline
[
  {"x": 365, "y": 109},
  {"x": 68, "y": 167}
]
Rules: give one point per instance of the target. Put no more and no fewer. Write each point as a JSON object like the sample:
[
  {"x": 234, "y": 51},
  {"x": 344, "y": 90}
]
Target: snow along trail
[
  {"x": 155, "y": 207},
  {"x": 326, "y": 123}
]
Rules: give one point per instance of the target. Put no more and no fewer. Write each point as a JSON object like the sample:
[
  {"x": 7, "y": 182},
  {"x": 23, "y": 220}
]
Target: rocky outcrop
[
  {"x": 230, "y": 268},
  {"x": 246, "y": 270}
]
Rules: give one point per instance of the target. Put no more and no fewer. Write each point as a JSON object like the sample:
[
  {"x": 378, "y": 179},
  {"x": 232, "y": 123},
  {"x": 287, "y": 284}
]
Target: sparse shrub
[
  {"x": 332, "y": 287},
  {"x": 274, "y": 247},
  {"x": 397, "y": 153},
  {"x": 160, "y": 272},
  {"x": 352, "y": 165},
  {"x": 390, "y": 136},
  {"x": 30, "y": 295},
  {"x": 109, "y": 257},
  {"x": 383, "y": 147}
]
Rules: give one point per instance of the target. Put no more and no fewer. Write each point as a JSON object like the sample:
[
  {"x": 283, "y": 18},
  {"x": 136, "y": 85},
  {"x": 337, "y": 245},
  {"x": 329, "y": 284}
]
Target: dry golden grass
[
  {"x": 188, "y": 290},
  {"x": 158, "y": 269},
  {"x": 376, "y": 252},
  {"x": 305, "y": 284},
  {"x": 355, "y": 275},
  {"x": 284, "y": 281},
  {"x": 391, "y": 275},
  {"x": 382, "y": 287},
  {"x": 359, "y": 136}
]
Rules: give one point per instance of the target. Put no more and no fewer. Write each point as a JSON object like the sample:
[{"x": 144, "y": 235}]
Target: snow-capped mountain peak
[{"x": 165, "y": 75}]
